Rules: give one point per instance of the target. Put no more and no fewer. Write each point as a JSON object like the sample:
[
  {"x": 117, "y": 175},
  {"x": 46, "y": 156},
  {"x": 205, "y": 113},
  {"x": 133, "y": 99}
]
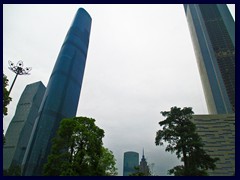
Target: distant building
[
  {"x": 212, "y": 31},
  {"x": 143, "y": 167},
  {"x": 20, "y": 128},
  {"x": 131, "y": 160},
  {"x": 218, "y": 135},
  {"x": 62, "y": 93}
]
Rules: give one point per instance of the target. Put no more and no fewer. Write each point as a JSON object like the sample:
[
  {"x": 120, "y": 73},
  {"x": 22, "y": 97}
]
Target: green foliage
[
  {"x": 181, "y": 171},
  {"x": 14, "y": 170},
  {"x": 138, "y": 172},
  {"x": 108, "y": 162},
  {"x": 77, "y": 150},
  {"x": 6, "y": 98},
  {"x": 180, "y": 134}
]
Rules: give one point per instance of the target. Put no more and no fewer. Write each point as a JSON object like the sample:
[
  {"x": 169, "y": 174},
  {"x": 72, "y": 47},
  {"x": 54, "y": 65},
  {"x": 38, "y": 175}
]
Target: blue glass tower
[
  {"x": 212, "y": 31},
  {"x": 131, "y": 160},
  {"x": 62, "y": 93}
]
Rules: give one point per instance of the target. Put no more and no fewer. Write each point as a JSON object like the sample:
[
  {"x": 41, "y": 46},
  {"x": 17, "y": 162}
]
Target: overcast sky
[{"x": 140, "y": 62}]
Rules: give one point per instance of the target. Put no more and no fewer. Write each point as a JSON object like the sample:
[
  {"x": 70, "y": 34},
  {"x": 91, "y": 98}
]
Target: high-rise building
[
  {"x": 143, "y": 167},
  {"x": 130, "y": 161},
  {"x": 20, "y": 128},
  {"x": 62, "y": 93},
  {"x": 212, "y": 31},
  {"x": 218, "y": 135}
]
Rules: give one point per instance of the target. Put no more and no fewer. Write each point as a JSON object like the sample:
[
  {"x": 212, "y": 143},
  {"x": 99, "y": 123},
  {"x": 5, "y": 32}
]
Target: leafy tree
[
  {"x": 14, "y": 170},
  {"x": 140, "y": 172},
  {"x": 6, "y": 98},
  {"x": 180, "y": 133},
  {"x": 77, "y": 150},
  {"x": 108, "y": 162}
]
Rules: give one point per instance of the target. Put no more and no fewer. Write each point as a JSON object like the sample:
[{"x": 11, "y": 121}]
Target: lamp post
[{"x": 18, "y": 70}]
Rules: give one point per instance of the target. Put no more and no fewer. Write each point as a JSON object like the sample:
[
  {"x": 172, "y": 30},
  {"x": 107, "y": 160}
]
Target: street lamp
[{"x": 18, "y": 70}]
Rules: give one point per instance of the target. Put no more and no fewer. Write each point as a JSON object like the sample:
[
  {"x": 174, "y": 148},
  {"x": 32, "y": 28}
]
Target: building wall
[
  {"x": 62, "y": 93},
  {"x": 20, "y": 128},
  {"x": 144, "y": 167},
  {"x": 131, "y": 160},
  {"x": 218, "y": 135},
  {"x": 213, "y": 35}
]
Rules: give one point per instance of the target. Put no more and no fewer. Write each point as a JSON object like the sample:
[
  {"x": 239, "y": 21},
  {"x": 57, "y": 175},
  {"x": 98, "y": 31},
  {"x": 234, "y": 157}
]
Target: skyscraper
[
  {"x": 212, "y": 31},
  {"x": 217, "y": 132},
  {"x": 20, "y": 128},
  {"x": 143, "y": 167},
  {"x": 130, "y": 161},
  {"x": 62, "y": 93}
]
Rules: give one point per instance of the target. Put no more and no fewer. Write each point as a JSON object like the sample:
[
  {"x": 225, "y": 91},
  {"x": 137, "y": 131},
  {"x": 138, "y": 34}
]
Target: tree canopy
[
  {"x": 6, "y": 98},
  {"x": 108, "y": 162},
  {"x": 14, "y": 170},
  {"x": 181, "y": 136},
  {"x": 77, "y": 150},
  {"x": 140, "y": 172},
  {"x": 137, "y": 172}
]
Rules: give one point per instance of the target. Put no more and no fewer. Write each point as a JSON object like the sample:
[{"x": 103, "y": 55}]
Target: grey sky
[{"x": 140, "y": 62}]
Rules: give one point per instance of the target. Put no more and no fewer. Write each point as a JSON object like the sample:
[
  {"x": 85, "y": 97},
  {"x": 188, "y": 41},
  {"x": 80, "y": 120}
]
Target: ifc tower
[{"x": 62, "y": 94}]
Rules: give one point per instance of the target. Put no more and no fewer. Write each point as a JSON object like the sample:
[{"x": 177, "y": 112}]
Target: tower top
[{"x": 143, "y": 158}]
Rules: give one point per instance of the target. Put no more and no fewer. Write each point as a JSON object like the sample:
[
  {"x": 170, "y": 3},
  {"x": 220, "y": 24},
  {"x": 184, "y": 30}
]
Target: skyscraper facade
[
  {"x": 212, "y": 31},
  {"x": 130, "y": 161},
  {"x": 62, "y": 93},
  {"x": 143, "y": 167},
  {"x": 20, "y": 128},
  {"x": 218, "y": 135}
]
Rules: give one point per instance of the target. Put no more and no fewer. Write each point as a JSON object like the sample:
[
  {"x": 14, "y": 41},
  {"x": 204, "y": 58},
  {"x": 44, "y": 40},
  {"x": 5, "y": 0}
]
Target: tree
[
  {"x": 6, "y": 98},
  {"x": 108, "y": 162},
  {"x": 14, "y": 170},
  {"x": 139, "y": 172},
  {"x": 77, "y": 150},
  {"x": 182, "y": 138}
]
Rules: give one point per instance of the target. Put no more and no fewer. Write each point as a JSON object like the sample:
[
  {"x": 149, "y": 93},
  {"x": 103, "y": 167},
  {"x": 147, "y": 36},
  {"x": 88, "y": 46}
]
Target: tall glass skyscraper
[
  {"x": 131, "y": 160},
  {"x": 20, "y": 128},
  {"x": 212, "y": 30},
  {"x": 62, "y": 93}
]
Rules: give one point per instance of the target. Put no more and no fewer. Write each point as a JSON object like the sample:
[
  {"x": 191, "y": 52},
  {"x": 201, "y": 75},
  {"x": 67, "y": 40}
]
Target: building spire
[{"x": 143, "y": 165}]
